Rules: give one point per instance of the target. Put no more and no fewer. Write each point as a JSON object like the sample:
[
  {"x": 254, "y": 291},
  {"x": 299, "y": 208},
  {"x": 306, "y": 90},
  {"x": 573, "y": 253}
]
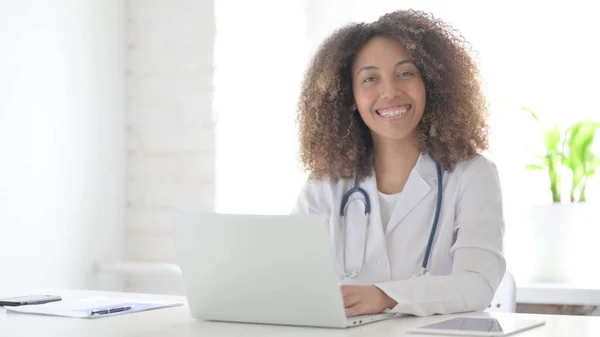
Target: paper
[{"x": 94, "y": 307}]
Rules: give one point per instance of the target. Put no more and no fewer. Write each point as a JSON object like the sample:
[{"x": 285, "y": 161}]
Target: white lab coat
[{"x": 466, "y": 262}]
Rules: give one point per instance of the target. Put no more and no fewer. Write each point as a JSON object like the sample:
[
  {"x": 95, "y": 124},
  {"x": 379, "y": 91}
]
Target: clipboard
[{"x": 93, "y": 307}]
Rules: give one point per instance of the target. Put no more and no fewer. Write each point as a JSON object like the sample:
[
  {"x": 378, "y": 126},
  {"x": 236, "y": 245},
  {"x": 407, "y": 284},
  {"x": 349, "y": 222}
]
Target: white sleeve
[
  {"x": 311, "y": 199},
  {"x": 478, "y": 263}
]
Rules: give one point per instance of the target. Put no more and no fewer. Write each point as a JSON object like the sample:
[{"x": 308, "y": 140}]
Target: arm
[
  {"x": 311, "y": 199},
  {"x": 478, "y": 263}
]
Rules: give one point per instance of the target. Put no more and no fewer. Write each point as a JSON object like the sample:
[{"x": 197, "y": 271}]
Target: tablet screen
[
  {"x": 481, "y": 326},
  {"x": 468, "y": 324}
]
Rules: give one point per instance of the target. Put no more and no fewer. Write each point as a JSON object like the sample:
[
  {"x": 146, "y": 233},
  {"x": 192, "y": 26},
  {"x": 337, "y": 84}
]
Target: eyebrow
[{"x": 375, "y": 68}]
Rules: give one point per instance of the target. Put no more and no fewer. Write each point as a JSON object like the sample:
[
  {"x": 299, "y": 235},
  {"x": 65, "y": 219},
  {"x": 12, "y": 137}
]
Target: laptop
[{"x": 270, "y": 269}]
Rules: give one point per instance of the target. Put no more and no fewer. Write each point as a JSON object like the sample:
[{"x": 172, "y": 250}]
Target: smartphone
[{"x": 29, "y": 299}]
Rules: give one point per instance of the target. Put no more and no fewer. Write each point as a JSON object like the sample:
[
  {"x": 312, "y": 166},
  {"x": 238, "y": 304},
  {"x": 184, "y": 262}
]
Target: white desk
[
  {"x": 558, "y": 293},
  {"x": 177, "y": 322}
]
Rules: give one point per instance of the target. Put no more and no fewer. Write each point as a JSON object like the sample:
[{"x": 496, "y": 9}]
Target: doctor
[{"x": 392, "y": 122}]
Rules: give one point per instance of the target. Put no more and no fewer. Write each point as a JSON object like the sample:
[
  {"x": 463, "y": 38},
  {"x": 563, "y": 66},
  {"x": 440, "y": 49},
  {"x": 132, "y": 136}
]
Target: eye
[
  {"x": 405, "y": 74},
  {"x": 369, "y": 79}
]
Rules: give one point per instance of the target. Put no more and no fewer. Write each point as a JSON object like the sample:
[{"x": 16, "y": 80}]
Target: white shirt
[
  {"x": 387, "y": 204},
  {"x": 466, "y": 262}
]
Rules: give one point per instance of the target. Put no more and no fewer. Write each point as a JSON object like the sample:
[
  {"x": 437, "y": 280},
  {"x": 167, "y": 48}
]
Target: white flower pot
[{"x": 563, "y": 237}]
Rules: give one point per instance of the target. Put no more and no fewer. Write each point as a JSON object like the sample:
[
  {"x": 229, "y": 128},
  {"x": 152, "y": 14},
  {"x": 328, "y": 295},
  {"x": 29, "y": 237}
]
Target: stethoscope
[{"x": 367, "y": 205}]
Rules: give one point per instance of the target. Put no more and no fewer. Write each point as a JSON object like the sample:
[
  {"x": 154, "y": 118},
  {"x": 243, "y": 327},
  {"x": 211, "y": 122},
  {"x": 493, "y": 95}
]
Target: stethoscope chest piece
[{"x": 421, "y": 272}]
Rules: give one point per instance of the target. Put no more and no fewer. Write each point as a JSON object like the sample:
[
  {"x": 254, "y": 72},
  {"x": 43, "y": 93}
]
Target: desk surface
[
  {"x": 177, "y": 322},
  {"x": 558, "y": 293}
]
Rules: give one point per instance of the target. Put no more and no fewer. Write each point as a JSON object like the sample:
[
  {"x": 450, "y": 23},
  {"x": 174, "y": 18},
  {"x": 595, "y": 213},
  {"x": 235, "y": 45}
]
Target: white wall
[
  {"x": 62, "y": 140},
  {"x": 260, "y": 62},
  {"x": 170, "y": 126}
]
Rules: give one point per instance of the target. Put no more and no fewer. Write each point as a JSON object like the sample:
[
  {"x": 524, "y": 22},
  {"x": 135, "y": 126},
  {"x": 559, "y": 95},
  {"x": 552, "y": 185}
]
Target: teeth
[{"x": 392, "y": 112}]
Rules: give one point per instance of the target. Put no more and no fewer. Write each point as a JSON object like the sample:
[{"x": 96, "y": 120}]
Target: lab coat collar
[
  {"x": 419, "y": 184},
  {"x": 426, "y": 167}
]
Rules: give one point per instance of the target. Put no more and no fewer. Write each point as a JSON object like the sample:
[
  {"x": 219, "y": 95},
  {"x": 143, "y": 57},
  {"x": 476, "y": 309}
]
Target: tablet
[{"x": 479, "y": 326}]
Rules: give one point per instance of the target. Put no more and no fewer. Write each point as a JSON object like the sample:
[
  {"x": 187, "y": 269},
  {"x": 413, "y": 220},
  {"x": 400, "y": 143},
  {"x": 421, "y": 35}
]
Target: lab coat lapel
[{"x": 415, "y": 189}]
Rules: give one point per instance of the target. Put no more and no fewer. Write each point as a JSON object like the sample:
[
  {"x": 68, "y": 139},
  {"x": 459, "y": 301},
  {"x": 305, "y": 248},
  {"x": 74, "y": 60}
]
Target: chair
[{"x": 505, "y": 299}]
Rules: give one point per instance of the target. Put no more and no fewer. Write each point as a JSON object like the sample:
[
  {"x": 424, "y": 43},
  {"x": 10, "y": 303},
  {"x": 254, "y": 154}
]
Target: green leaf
[
  {"x": 526, "y": 109},
  {"x": 579, "y": 157},
  {"x": 580, "y": 143},
  {"x": 552, "y": 140},
  {"x": 594, "y": 165}
]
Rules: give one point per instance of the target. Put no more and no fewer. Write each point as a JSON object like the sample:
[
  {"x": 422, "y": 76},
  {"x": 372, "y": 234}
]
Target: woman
[{"x": 387, "y": 104}]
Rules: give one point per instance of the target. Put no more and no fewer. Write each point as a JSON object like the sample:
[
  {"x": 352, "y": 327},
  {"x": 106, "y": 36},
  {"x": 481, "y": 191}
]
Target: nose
[{"x": 388, "y": 89}]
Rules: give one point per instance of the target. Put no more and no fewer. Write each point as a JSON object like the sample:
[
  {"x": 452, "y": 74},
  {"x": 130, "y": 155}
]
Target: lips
[{"x": 393, "y": 111}]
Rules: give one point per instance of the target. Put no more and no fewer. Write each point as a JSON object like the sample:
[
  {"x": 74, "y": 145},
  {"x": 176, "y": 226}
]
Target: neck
[{"x": 393, "y": 161}]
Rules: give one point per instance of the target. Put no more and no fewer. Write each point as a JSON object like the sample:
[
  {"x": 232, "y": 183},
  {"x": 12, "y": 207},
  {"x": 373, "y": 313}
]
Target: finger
[
  {"x": 354, "y": 310},
  {"x": 348, "y": 290},
  {"x": 351, "y": 300},
  {"x": 349, "y": 296}
]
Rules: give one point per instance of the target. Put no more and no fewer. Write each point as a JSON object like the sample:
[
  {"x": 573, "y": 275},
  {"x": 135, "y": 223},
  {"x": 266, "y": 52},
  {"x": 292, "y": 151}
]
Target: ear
[{"x": 354, "y": 107}]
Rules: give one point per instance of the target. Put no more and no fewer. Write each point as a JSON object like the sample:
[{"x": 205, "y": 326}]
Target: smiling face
[{"x": 389, "y": 91}]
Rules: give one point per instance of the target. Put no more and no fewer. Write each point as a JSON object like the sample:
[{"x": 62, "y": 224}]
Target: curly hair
[{"x": 335, "y": 142}]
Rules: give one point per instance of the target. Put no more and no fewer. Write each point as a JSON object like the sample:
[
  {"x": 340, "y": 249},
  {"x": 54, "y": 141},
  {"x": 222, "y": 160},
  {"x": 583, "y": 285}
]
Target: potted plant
[
  {"x": 572, "y": 150},
  {"x": 562, "y": 227}
]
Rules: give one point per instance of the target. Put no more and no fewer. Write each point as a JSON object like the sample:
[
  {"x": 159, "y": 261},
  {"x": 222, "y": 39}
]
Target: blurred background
[{"x": 116, "y": 114}]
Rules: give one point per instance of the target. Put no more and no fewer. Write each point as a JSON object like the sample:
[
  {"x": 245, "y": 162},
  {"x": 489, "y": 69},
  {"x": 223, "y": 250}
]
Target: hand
[{"x": 364, "y": 300}]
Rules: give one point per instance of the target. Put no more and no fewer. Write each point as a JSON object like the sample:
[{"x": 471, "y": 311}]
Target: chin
[{"x": 396, "y": 135}]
